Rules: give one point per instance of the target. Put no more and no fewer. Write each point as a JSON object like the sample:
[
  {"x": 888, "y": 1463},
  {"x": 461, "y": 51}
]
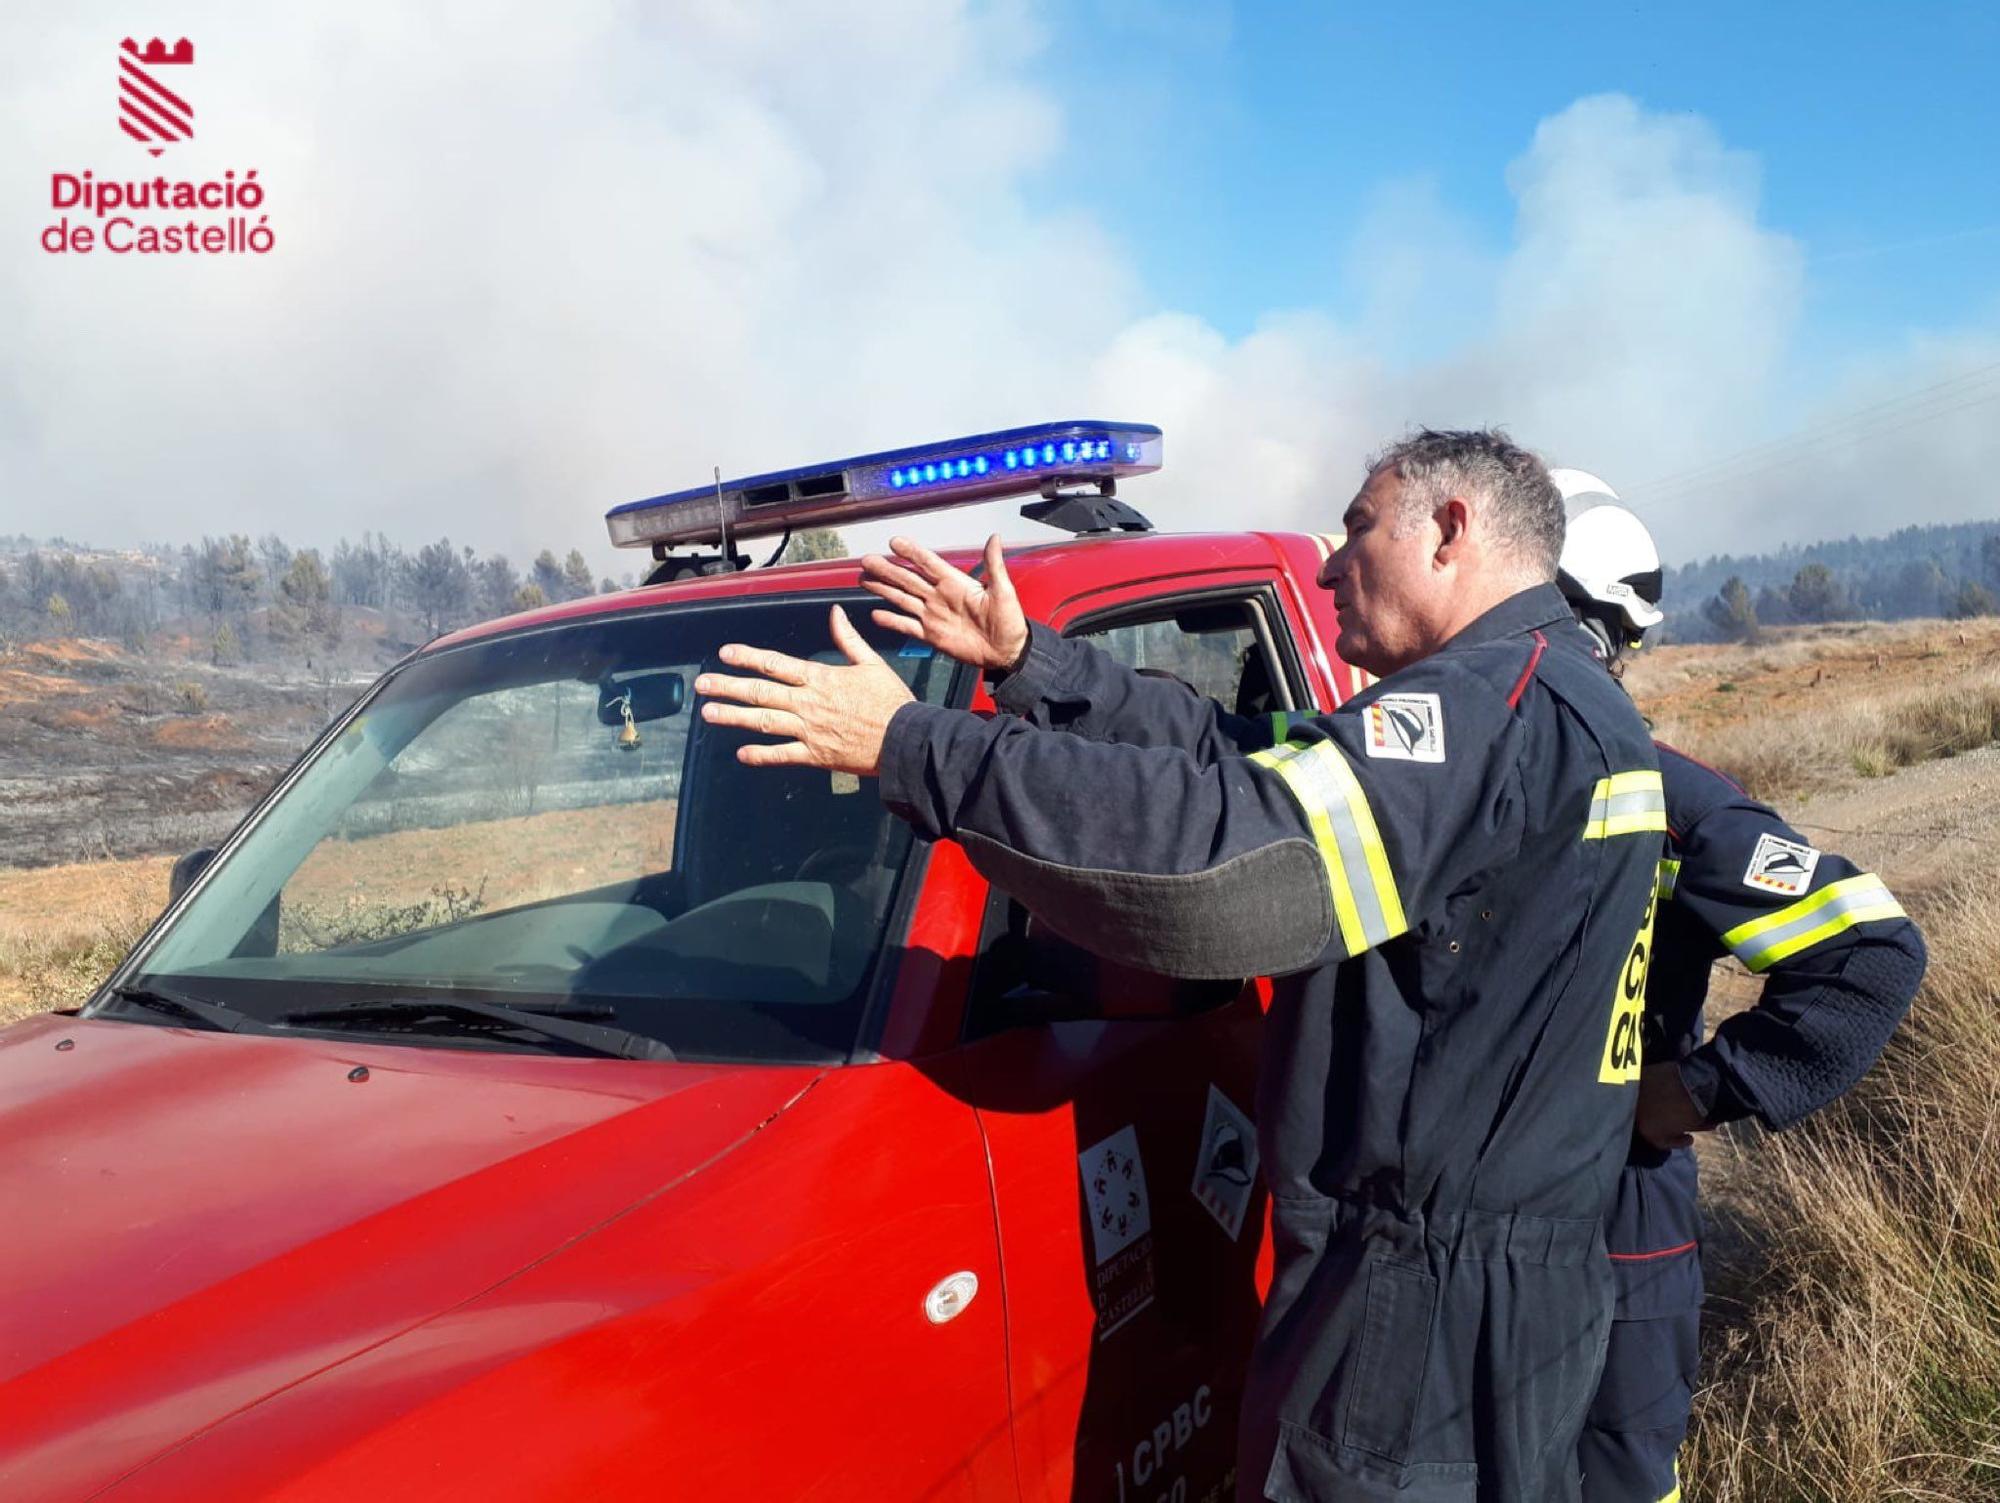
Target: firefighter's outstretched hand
[
  {"x": 1667, "y": 1115},
  {"x": 831, "y": 715},
  {"x": 977, "y": 623}
]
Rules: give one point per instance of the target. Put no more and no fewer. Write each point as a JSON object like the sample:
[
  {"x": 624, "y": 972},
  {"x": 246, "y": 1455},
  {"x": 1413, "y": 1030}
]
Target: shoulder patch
[
  {"x": 1408, "y": 727},
  {"x": 1780, "y": 865}
]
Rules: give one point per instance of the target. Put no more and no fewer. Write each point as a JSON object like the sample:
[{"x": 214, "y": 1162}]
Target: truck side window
[
  {"x": 1232, "y": 647},
  {"x": 1223, "y": 647}
]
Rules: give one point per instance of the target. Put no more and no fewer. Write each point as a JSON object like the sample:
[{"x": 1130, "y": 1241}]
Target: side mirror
[{"x": 190, "y": 866}]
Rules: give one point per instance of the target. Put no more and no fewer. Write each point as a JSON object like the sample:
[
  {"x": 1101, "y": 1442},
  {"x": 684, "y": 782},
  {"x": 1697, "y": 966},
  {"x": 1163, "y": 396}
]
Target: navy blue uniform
[
  {"x": 1842, "y": 963},
  {"x": 1452, "y": 877}
]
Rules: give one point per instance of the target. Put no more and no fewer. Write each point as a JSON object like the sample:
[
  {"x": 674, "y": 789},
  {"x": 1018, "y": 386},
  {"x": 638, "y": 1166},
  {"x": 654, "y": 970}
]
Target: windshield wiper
[
  {"x": 158, "y": 999},
  {"x": 556, "y": 1022}
]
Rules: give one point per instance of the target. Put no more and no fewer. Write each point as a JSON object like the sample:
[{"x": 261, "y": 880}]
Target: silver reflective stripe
[
  {"x": 1321, "y": 787},
  {"x": 1639, "y": 801},
  {"x": 1627, "y": 803},
  {"x": 1834, "y": 909}
]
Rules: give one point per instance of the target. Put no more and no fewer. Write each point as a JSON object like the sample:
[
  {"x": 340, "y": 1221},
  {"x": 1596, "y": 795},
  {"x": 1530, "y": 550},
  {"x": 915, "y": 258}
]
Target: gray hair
[{"x": 1482, "y": 464}]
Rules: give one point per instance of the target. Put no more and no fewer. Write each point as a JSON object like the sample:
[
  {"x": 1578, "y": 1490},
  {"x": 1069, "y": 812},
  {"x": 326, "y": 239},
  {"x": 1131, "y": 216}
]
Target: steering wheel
[{"x": 844, "y": 860}]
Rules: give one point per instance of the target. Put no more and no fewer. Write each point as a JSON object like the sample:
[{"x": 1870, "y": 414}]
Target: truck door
[{"x": 1117, "y": 1112}]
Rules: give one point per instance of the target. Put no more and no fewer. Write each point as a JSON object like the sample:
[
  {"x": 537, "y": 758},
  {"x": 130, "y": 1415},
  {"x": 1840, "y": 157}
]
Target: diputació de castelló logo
[
  {"x": 157, "y": 216},
  {"x": 148, "y": 110}
]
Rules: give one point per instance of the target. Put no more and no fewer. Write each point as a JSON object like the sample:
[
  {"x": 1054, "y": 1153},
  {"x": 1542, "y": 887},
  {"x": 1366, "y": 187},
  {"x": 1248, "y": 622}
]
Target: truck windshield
[{"x": 543, "y": 819}]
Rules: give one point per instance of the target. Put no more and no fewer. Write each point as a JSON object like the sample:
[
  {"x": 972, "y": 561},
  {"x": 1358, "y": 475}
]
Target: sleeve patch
[
  {"x": 1780, "y": 865},
  {"x": 1405, "y": 727}
]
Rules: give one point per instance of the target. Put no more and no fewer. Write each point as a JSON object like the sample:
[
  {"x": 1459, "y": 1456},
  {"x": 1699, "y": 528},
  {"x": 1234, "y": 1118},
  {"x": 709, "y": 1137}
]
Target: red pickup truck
[{"x": 529, "y": 1101}]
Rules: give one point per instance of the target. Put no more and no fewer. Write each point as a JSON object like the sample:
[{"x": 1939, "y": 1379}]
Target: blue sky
[{"x": 1876, "y": 129}]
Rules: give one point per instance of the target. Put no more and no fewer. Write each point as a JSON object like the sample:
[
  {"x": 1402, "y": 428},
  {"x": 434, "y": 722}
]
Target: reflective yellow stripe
[
  {"x": 1815, "y": 918},
  {"x": 1669, "y": 878},
  {"x": 1371, "y": 842},
  {"x": 1365, "y": 901},
  {"x": 1626, "y": 803},
  {"x": 1279, "y": 760}
]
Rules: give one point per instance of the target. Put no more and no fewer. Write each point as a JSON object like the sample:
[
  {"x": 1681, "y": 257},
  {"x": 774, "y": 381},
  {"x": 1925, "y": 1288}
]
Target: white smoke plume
[{"x": 536, "y": 260}]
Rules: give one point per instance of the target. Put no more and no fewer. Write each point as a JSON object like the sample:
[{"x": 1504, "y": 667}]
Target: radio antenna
[{"x": 721, "y": 513}]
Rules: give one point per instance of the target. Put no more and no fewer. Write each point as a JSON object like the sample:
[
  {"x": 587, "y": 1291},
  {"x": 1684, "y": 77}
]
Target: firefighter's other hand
[
  {"x": 831, "y": 715},
  {"x": 1667, "y": 1116},
  {"x": 980, "y": 624}
]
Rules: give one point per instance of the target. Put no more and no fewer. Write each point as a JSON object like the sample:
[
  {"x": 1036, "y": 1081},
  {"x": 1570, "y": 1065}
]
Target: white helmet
[{"x": 1609, "y": 559}]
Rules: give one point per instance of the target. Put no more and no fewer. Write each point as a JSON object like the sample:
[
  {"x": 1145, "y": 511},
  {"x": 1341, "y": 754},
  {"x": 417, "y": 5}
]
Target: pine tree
[
  {"x": 1816, "y": 595},
  {"x": 440, "y": 585},
  {"x": 577, "y": 578},
  {"x": 1732, "y": 613},
  {"x": 546, "y": 575},
  {"x": 816, "y": 543},
  {"x": 1973, "y": 599}
]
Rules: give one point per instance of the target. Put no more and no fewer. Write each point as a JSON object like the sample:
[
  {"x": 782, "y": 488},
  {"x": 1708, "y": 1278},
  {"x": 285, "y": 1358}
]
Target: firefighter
[
  {"x": 1841, "y": 963},
  {"x": 1452, "y": 877}
]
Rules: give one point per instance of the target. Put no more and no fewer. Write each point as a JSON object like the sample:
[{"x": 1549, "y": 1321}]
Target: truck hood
[{"x": 197, "y": 1219}]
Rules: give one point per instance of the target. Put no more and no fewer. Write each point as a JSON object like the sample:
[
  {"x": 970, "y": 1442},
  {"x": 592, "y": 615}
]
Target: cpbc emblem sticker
[
  {"x": 1226, "y": 1169},
  {"x": 1405, "y": 727},
  {"x": 1621, "y": 1044},
  {"x": 1779, "y": 865}
]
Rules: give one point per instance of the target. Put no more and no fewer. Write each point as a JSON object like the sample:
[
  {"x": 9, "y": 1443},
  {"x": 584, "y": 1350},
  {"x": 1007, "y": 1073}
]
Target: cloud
[
  {"x": 537, "y": 260},
  {"x": 1641, "y": 321},
  {"x": 534, "y": 261}
]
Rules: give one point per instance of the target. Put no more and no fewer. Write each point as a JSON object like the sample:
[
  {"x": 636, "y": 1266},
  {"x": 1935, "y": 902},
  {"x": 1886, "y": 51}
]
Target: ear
[{"x": 1453, "y": 521}]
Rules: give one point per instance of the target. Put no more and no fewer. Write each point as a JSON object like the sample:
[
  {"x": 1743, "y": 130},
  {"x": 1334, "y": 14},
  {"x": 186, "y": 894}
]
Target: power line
[
  {"x": 1806, "y": 444},
  {"x": 1938, "y": 392},
  {"x": 1783, "y": 461},
  {"x": 1972, "y": 378}
]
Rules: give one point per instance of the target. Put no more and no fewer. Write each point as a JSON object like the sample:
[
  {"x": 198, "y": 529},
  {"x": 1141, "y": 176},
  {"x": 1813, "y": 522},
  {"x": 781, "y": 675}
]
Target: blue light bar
[{"x": 898, "y": 482}]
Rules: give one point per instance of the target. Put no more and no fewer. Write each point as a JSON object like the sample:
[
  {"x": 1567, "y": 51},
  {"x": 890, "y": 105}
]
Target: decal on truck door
[
  {"x": 1226, "y": 1168},
  {"x": 1121, "y": 1227}
]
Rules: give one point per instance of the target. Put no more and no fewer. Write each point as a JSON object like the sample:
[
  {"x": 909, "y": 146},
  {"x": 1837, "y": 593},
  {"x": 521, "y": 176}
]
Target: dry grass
[
  {"x": 1779, "y": 756},
  {"x": 1853, "y": 1342},
  {"x": 63, "y": 929},
  {"x": 1861, "y": 1358}
]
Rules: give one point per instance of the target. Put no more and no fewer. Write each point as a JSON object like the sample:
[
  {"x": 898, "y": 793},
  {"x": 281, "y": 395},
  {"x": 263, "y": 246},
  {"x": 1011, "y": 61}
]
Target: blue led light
[{"x": 919, "y": 478}]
